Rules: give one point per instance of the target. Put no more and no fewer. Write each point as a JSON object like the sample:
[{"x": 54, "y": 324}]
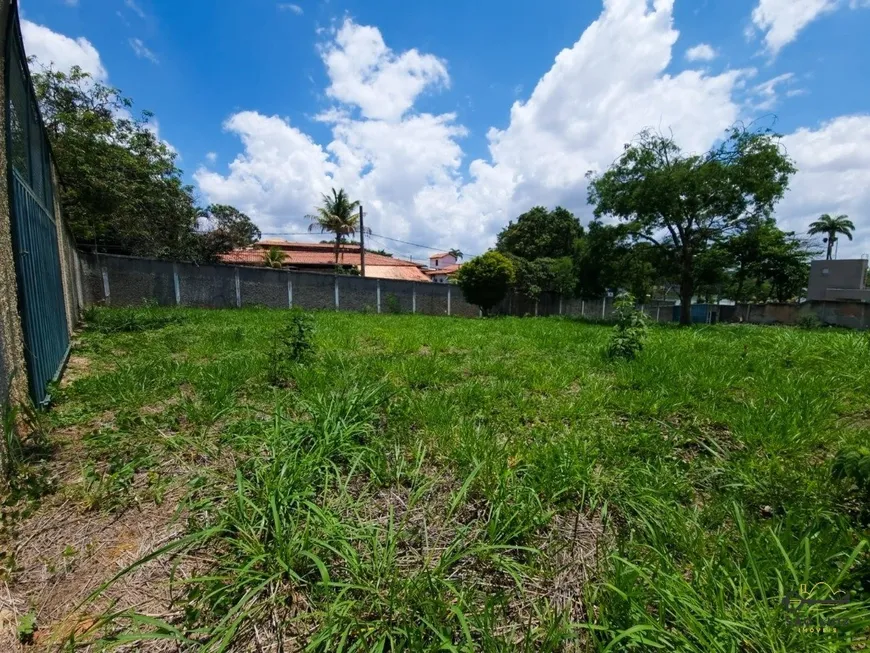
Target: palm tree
[
  {"x": 831, "y": 227},
  {"x": 274, "y": 257},
  {"x": 338, "y": 215},
  {"x": 456, "y": 253}
]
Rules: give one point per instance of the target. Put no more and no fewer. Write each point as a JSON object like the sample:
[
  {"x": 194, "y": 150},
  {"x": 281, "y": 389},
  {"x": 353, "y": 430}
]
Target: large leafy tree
[
  {"x": 539, "y": 233},
  {"x": 485, "y": 279},
  {"x": 683, "y": 203},
  {"x": 337, "y": 214},
  {"x": 120, "y": 188},
  {"x": 221, "y": 229},
  {"x": 832, "y": 227},
  {"x": 608, "y": 258},
  {"x": 765, "y": 262},
  {"x": 531, "y": 278},
  {"x": 598, "y": 258}
]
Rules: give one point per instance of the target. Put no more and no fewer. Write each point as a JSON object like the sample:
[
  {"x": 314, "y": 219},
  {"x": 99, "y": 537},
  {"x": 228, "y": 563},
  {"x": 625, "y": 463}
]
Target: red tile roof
[
  {"x": 450, "y": 269},
  {"x": 401, "y": 272},
  {"x": 322, "y": 255},
  {"x": 440, "y": 255}
]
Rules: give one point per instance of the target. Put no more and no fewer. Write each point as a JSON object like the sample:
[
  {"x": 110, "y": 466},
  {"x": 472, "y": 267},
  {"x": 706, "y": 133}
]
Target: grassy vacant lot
[{"x": 444, "y": 484}]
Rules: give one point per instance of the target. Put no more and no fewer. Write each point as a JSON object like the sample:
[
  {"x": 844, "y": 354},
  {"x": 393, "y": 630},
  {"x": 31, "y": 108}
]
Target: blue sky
[{"x": 448, "y": 118}]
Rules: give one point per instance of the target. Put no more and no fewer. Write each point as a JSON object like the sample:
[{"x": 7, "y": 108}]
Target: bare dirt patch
[
  {"x": 76, "y": 367},
  {"x": 62, "y": 556}
]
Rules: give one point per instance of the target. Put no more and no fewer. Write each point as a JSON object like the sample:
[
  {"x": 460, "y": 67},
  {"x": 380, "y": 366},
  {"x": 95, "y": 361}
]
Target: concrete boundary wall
[
  {"x": 852, "y": 315},
  {"x": 112, "y": 280},
  {"x": 129, "y": 281}
]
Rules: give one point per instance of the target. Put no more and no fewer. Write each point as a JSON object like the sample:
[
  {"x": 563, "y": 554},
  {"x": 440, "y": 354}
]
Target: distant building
[
  {"x": 442, "y": 275},
  {"x": 442, "y": 267},
  {"x": 838, "y": 280},
  {"x": 320, "y": 257},
  {"x": 444, "y": 260}
]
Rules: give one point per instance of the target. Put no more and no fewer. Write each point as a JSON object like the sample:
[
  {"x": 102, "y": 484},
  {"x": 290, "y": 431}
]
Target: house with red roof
[
  {"x": 320, "y": 257},
  {"x": 442, "y": 266}
]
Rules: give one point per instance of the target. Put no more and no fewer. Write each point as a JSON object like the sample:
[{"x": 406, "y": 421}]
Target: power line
[
  {"x": 396, "y": 240},
  {"x": 405, "y": 242}
]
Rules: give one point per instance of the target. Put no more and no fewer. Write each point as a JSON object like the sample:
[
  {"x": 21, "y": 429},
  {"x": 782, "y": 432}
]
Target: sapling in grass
[
  {"x": 292, "y": 346},
  {"x": 630, "y": 332}
]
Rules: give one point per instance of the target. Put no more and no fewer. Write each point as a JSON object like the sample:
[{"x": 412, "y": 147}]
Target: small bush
[
  {"x": 292, "y": 346},
  {"x": 809, "y": 321},
  {"x": 393, "y": 305},
  {"x": 630, "y": 331},
  {"x": 853, "y": 464}
]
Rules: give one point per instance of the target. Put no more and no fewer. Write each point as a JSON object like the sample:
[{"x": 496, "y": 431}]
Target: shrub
[
  {"x": 485, "y": 280},
  {"x": 853, "y": 464},
  {"x": 292, "y": 346},
  {"x": 630, "y": 331},
  {"x": 393, "y": 305},
  {"x": 809, "y": 321}
]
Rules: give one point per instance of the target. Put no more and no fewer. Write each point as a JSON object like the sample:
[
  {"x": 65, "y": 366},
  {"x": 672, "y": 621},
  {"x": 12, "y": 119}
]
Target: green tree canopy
[
  {"x": 223, "y": 228},
  {"x": 539, "y": 233},
  {"x": 682, "y": 203},
  {"x": 531, "y": 278},
  {"x": 120, "y": 190},
  {"x": 485, "y": 279},
  {"x": 766, "y": 263}
]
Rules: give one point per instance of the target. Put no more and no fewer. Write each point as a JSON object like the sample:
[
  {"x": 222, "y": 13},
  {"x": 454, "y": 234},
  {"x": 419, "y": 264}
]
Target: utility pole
[{"x": 362, "y": 244}]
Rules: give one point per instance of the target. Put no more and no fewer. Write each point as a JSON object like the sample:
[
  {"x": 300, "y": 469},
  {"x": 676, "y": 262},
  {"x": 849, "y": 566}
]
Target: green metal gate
[{"x": 34, "y": 231}]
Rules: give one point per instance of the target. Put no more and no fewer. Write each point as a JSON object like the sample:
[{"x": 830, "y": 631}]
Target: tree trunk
[
  {"x": 830, "y": 244},
  {"x": 687, "y": 290},
  {"x": 336, "y": 248}
]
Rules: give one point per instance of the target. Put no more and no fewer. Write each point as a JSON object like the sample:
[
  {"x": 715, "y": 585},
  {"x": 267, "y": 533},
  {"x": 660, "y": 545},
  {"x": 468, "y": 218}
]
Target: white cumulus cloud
[
  {"x": 701, "y": 52},
  {"x": 367, "y": 74},
  {"x": 782, "y": 20},
  {"x": 61, "y": 52},
  {"x": 408, "y": 168}
]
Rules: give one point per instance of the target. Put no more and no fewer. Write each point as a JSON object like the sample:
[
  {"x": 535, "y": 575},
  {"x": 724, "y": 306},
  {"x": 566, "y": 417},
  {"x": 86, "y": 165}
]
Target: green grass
[{"x": 405, "y": 486}]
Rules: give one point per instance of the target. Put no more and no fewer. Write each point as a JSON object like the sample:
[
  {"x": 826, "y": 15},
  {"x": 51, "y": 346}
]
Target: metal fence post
[
  {"x": 536, "y": 308},
  {"x": 289, "y": 291},
  {"x": 658, "y": 313},
  {"x": 238, "y": 290},
  {"x": 336, "y": 292},
  {"x": 379, "y": 295},
  {"x": 105, "y": 284},
  {"x": 176, "y": 284},
  {"x": 448, "y": 300},
  {"x": 414, "y": 298},
  {"x": 603, "y": 306},
  {"x": 560, "y": 304},
  {"x": 582, "y": 308}
]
